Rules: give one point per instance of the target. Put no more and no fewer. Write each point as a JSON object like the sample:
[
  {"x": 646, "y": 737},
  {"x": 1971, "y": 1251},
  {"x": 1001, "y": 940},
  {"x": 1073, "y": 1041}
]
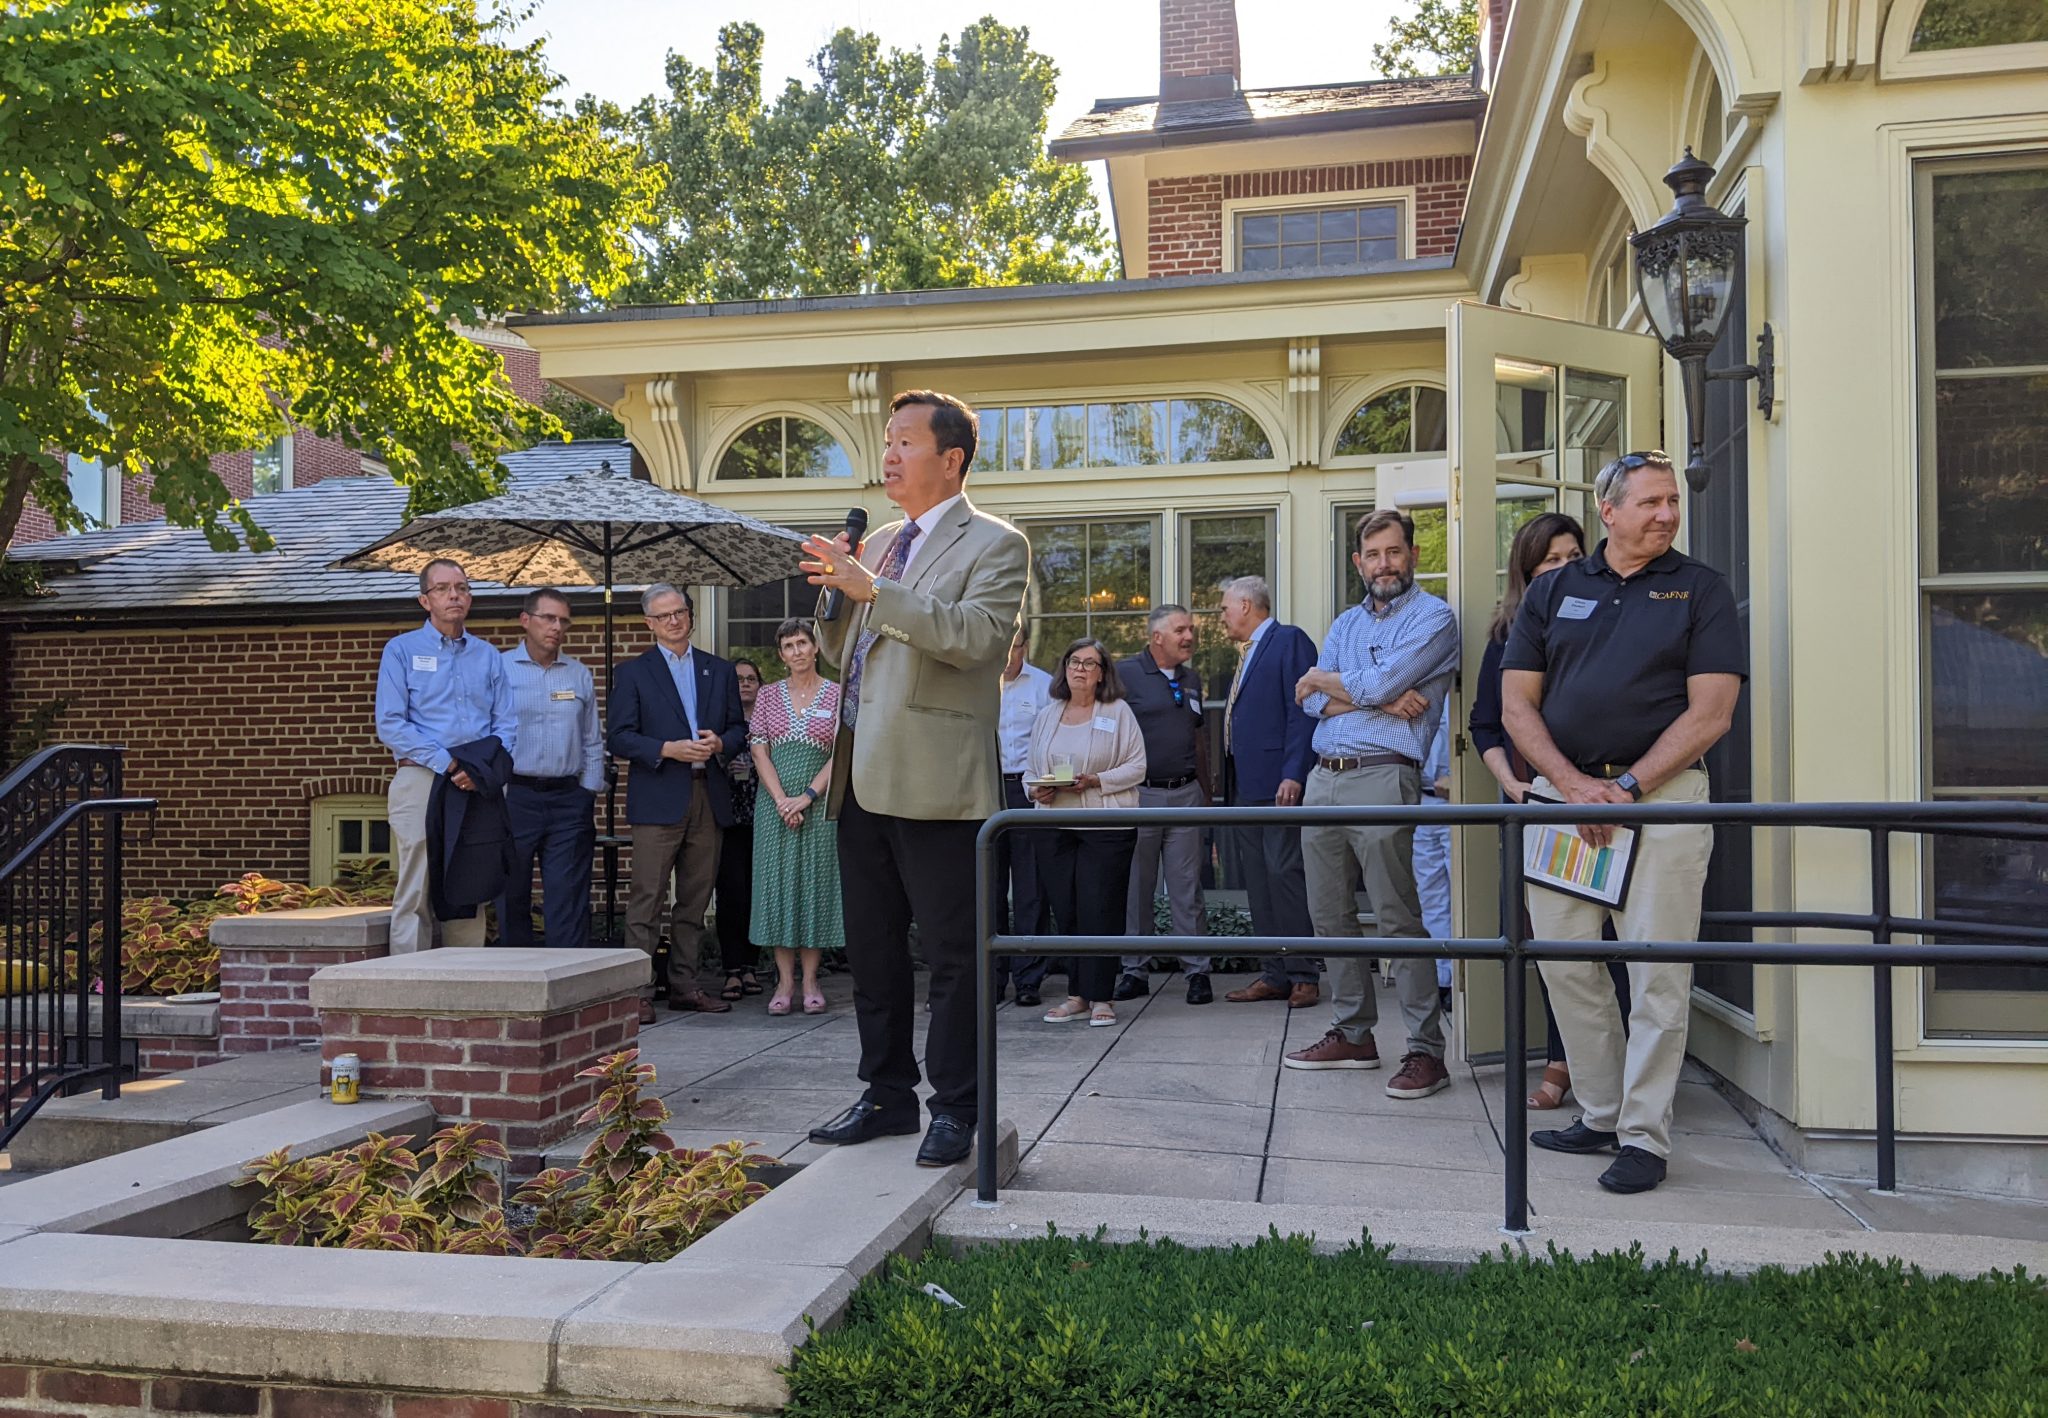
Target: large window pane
[
  {"x": 1990, "y": 248},
  {"x": 1593, "y": 406},
  {"x": 757, "y": 453},
  {"x": 1329, "y": 236},
  {"x": 1059, "y": 574},
  {"x": 1059, "y": 436},
  {"x": 785, "y": 448},
  {"x": 988, "y": 453},
  {"x": 1127, "y": 435},
  {"x": 1216, "y": 431},
  {"x": 1089, "y": 578},
  {"x": 1525, "y": 407},
  {"x": 1430, "y": 426},
  {"x": 87, "y": 479},
  {"x": 1380, "y": 425},
  {"x": 752, "y": 614},
  {"x": 1988, "y": 656},
  {"x": 1968, "y": 24},
  {"x": 1991, "y": 472},
  {"x": 1997, "y": 881},
  {"x": 1219, "y": 550}
]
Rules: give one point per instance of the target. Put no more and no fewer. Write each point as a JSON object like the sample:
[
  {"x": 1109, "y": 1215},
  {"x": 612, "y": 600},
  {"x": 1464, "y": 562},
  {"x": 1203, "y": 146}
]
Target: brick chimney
[
  {"x": 1198, "y": 49},
  {"x": 1493, "y": 26}
]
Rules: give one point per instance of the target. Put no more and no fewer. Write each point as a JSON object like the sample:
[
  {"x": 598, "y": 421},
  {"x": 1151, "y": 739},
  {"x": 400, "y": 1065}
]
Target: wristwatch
[
  {"x": 811, "y": 793},
  {"x": 1628, "y": 784}
]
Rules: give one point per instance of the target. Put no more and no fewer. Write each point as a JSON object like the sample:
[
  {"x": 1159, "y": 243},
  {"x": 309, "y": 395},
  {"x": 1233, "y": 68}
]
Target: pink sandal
[
  {"x": 814, "y": 1004},
  {"x": 779, "y": 1005}
]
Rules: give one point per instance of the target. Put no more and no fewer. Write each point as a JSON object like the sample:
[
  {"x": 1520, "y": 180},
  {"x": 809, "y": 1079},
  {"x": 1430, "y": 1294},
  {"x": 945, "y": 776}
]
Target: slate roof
[
  {"x": 156, "y": 572},
  {"x": 1123, "y": 124}
]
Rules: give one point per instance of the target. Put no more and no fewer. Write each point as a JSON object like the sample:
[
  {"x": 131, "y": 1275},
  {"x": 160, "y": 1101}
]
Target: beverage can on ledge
[{"x": 348, "y": 1079}]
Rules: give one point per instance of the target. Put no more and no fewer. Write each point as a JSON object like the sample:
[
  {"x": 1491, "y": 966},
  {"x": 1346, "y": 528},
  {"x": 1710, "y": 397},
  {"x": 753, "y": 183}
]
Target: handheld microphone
[{"x": 856, "y": 528}]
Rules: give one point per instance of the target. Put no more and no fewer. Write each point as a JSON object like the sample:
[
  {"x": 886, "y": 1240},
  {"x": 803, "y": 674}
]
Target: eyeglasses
[
  {"x": 670, "y": 617},
  {"x": 449, "y": 588},
  {"x": 545, "y": 619},
  {"x": 1095, "y": 665}
]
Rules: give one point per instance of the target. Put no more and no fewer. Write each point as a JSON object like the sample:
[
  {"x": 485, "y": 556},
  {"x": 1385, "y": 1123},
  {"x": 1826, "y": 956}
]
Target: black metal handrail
[
  {"x": 1970, "y": 943},
  {"x": 60, "y": 881}
]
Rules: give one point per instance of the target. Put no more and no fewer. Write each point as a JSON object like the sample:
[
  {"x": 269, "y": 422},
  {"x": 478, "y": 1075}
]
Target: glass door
[{"x": 1536, "y": 406}]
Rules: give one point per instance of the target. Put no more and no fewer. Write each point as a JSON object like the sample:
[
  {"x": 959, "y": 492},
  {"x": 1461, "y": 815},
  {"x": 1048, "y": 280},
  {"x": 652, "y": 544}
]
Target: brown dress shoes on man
[{"x": 1299, "y": 996}]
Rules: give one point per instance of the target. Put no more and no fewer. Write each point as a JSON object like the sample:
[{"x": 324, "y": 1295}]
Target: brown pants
[{"x": 688, "y": 852}]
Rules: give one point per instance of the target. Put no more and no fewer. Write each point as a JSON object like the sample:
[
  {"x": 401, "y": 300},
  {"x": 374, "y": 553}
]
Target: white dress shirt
[
  {"x": 926, "y": 525},
  {"x": 1023, "y": 698}
]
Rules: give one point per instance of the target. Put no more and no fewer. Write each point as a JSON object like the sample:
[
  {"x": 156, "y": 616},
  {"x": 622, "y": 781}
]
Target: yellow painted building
[{"x": 1304, "y": 335}]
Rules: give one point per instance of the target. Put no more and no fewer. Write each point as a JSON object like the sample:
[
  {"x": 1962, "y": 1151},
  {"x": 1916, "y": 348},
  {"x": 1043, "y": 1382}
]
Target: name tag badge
[
  {"x": 1576, "y": 608},
  {"x": 1195, "y": 707},
  {"x": 563, "y": 694},
  {"x": 1105, "y": 725},
  {"x": 426, "y": 662}
]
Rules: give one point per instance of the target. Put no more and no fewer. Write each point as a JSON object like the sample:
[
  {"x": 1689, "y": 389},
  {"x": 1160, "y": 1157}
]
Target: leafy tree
[
  {"x": 214, "y": 214},
  {"x": 885, "y": 172},
  {"x": 579, "y": 417},
  {"x": 1441, "y": 37}
]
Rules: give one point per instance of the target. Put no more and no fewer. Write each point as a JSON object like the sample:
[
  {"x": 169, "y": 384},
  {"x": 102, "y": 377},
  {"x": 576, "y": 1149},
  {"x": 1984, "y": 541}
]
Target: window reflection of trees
[
  {"x": 1118, "y": 434},
  {"x": 1089, "y": 578},
  {"x": 1969, "y": 24},
  {"x": 784, "y": 447},
  {"x": 1409, "y": 419}
]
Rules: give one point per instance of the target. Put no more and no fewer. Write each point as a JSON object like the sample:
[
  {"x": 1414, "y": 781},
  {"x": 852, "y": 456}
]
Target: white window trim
[
  {"x": 110, "y": 490},
  {"x": 1350, "y": 400},
  {"x": 1898, "y": 61},
  {"x": 734, "y": 426},
  {"x": 1401, "y": 198},
  {"x": 284, "y": 476},
  {"x": 324, "y": 845}
]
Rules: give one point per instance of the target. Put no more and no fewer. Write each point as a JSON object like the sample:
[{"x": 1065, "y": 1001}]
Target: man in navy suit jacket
[
  {"x": 676, "y": 717},
  {"x": 1269, "y": 749}
]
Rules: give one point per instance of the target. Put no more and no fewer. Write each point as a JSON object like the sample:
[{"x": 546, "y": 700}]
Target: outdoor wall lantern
[{"x": 1685, "y": 273}]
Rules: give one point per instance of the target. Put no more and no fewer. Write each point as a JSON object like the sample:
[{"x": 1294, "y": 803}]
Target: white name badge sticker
[
  {"x": 1576, "y": 608},
  {"x": 1105, "y": 725},
  {"x": 563, "y": 694},
  {"x": 426, "y": 662}
]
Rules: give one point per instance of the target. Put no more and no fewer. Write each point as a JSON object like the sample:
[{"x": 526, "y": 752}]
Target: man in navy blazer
[
  {"x": 675, "y": 716},
  {"x": 1269, "y": 749}
]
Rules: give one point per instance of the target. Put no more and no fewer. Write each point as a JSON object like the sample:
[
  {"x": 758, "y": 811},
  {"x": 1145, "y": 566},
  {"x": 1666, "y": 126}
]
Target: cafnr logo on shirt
[{"x": 1670, "y": 595}]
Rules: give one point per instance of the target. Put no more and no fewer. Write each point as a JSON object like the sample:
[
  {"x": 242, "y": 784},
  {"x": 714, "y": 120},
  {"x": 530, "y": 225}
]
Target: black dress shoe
[
  {"x": 1198, "y": 989},
  {"x": 863, "y": 1122},
  {"x": 1131, "y": 987},
  {"x": 1576, "y": 1138},
  {"x": 1634, "y": 1171},
  {"x": 1027, "y": 998},
  {"x": 947, "y": 1141}
]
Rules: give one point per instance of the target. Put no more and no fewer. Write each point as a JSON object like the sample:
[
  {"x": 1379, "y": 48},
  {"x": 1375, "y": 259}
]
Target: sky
[{"x": 1103, "y": 48}]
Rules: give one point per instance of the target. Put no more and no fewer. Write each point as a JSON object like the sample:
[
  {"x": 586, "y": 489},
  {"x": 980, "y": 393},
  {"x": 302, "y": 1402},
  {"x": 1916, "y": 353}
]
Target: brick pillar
[
  {"x": 1493, "y": 26},
  {"x": 267, "y": 963},
  {"x": 1198, "y": 55},
  {"x": 495, "y": 1036}
]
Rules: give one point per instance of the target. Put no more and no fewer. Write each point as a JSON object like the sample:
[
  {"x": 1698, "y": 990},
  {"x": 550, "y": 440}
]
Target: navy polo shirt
[
  {"x": 1169, "y": 728},
  {"x": 1615, "y": 654}
]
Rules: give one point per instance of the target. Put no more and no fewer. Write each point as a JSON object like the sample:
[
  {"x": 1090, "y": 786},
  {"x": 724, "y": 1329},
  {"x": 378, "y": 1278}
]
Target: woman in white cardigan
[{"x": 1087, "y": 739}]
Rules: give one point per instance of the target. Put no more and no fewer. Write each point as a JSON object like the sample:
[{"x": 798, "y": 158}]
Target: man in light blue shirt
[
  {"x": 438, "y": 688},
  {"x": 1377, "y": 693},
  {"x": 555, "y": 777}
]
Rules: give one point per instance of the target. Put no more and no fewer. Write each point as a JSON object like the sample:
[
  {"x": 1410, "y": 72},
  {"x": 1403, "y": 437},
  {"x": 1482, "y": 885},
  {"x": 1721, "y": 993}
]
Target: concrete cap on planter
[
  {"x": 309, "y": 928},
  {"x": 486, "y": 981}
]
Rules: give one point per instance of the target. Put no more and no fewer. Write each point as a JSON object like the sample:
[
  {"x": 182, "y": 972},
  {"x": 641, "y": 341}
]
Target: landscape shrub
[
  {"x": 1059, "y": 1327},
  {"x": 634, "y": 1195}
]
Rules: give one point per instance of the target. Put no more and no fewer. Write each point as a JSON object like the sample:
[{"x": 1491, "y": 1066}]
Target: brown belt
[{"x": 1368, "y": 760}]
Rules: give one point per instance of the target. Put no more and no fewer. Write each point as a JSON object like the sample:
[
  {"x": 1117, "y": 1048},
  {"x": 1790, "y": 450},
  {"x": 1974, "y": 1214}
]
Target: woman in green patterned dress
[{"x": 796, "y": 852}]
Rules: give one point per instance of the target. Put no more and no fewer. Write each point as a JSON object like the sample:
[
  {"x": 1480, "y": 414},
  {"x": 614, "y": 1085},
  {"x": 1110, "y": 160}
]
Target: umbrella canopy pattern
[{"x": 594, "y": 529}]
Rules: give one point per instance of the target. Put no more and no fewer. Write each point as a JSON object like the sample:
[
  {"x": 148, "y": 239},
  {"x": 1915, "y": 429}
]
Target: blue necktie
[{"x": 891, "y": 570}]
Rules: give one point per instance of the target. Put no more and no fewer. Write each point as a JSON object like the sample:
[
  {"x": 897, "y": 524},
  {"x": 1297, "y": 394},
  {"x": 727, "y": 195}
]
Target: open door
[{"x": 1536, "y": 406}]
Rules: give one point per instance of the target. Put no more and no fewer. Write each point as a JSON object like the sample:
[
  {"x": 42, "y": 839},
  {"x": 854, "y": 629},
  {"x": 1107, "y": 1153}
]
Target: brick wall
[
  {"x": 154, "y": 1054},
  {"x": 1187, "y": 212},
  {"x": 234, "y": 731},
  {"x": 1197, "y": 40},
  {"x": 263, "y": 995},
  {"x": 43, "y": 1391}
]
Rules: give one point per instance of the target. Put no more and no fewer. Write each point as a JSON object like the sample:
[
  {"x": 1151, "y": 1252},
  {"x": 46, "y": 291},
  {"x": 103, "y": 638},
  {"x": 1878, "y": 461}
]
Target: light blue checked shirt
[
  {"x": 1380, "y": 654},
  {"x": 557, "y": 710},
  {"x": 683, "y": 672},
  {"x": 434, "y": 694}
]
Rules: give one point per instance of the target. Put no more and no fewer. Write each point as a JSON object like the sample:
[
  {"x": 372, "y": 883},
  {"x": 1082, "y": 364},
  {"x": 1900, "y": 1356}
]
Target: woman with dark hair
[
  {"x": 1087, "y": 752},
  {"x": 796, "y": 850},
  {"x": 735, "y": 909},
  {"x": 1541, "y": 545}
]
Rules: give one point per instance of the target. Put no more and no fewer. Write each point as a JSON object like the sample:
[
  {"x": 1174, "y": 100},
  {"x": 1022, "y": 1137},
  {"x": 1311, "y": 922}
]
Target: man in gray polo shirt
[{"x": 1165, "y": 693}]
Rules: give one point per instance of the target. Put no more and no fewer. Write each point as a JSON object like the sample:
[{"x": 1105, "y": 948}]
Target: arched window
[
  {"x": 785, "y": 447},
  {"x": 1973, "y": 24},
  {"x": 1406, "y": 419},
  {"x": 1124, "y": 434}
]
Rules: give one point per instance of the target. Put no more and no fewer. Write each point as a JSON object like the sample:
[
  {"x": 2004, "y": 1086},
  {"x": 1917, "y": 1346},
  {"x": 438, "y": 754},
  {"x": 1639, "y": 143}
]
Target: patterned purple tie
[{"x": 890, "y": 570}]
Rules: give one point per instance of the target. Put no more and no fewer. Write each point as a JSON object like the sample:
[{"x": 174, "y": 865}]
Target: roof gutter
[{"x": 1247, "y": 129}]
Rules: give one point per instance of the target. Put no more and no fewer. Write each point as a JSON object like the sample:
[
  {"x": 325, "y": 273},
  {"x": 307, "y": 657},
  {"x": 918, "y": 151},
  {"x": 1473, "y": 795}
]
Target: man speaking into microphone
[{"x": 930, "y": 606}]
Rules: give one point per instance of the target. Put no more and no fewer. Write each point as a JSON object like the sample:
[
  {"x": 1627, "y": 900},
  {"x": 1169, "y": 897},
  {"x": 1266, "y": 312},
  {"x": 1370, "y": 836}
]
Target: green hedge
[{"x": 1060, "y": 1328}]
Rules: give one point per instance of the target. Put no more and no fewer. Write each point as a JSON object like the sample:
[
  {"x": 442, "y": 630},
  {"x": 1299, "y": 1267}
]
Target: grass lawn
[{"x": 1061, "y": 1327}]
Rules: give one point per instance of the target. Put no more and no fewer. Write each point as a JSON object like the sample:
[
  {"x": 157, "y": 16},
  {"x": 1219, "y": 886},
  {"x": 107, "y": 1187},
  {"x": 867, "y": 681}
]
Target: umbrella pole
[{"x": 611, "y": 769}]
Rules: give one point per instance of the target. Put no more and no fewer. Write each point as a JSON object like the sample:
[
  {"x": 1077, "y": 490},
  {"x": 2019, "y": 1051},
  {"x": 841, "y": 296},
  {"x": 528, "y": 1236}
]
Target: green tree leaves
[{"x": 1441, "y": 37}]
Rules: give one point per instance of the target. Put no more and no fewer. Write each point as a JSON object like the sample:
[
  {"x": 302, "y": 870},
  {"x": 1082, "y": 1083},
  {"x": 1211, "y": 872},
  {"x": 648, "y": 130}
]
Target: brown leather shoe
[
  {"x": 700, "y": 1002},
  {"x": 1304, "y": 994},
  {"x": 1256, "y": 990},
  {"x": 647, "y": 1011},
  {"x": 1419, "y": 1076},
  {"x": 1333, "y": 1050}
]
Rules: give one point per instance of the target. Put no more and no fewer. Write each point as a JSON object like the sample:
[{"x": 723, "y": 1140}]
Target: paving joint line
[
  {"x": 1273, "y": 1106},
  {"x": 1024, "y": 1151}
]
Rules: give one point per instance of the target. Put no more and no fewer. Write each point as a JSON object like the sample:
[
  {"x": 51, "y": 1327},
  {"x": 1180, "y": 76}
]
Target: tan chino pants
[
  {"x": 412, "y": 909},
  {"x": 687, "y": 851}
]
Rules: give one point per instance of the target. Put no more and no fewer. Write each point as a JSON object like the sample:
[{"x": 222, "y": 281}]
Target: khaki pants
[
  {"x": 688, "y": 852},
  {"x": 412, "y": 909},
  {"x": 1332, "y": 858},
  {"x": 1627, "y": 1084}
]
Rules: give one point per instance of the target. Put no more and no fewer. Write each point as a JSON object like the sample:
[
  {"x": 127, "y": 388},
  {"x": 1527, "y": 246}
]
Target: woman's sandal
[
  {"x": 733, "y": 987},
  {"x": 1557, "y": 1081},
  {"x": 814, "y": 1003},
  {"x": 748, "y": 984},
  {"x": 1064, "y": 1011},
  {"x": 779, "y": 1005}
]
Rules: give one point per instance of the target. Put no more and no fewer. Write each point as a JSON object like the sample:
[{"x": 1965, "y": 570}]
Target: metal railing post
[
  {"x": 110, "y": 969},
  {"x": 1881, "y": 1008},
  {"x": 985, "y": 998},
  {"x": 1515, "y": 1003}
]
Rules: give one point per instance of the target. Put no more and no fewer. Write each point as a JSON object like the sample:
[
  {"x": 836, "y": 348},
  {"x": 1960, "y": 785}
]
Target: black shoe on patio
[
  {"x": 947, "y": 1141},
  {"x": 1198, "y": 989},
  {"x": 1634, "y": 1171},
  {"x": 1131, "y": 987},
  {"x": 1027, "y": 998},
  {"x": 863, "y": 1122},
  {"x": 1576, "y": 1138}
]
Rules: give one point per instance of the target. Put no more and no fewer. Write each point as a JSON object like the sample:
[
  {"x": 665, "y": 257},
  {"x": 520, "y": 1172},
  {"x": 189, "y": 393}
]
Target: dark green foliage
[{"x": 1058, "y": 1327}]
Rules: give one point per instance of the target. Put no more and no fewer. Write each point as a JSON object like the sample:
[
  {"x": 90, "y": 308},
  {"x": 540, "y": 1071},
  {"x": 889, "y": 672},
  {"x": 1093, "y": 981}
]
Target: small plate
[{"x": 196, "y": 997}]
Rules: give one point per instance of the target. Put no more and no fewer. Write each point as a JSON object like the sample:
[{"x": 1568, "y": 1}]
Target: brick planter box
[
  {"x": 493, "y": 1036},
  {"x": 267, "y": 964}
]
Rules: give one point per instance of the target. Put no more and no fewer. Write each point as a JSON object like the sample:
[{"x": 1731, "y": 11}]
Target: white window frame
[
  {"x": 110, "y": 488},
  {"x": 1898, "y": 60},
  {"x": 323, "y": 846},
  {"x": 1401, "y": 198},
  {"x": 735, "y": 429},
  {"x": 283, "y": 444}
]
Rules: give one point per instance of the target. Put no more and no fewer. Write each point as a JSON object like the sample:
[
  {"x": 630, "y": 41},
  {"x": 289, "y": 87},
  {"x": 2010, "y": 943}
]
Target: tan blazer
[{"x": 931, "y": 694}]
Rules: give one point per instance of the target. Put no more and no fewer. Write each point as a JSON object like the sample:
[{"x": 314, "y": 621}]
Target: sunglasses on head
[{"x": 1654, "y": 458}]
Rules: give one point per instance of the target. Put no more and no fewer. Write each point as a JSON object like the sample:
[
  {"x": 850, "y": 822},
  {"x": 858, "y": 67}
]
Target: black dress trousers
[{"x": 1088, "y": 878}]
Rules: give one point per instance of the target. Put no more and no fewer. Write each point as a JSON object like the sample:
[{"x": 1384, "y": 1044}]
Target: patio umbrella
[{"x": 593, "y": 529}]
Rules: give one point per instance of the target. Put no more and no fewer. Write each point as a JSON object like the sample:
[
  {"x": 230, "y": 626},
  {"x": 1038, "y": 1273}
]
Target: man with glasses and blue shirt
[
  {"x": 438, "y": 688},
  {"x": 555, "y": 777},
  {"x": 1377, "y": 693}
]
